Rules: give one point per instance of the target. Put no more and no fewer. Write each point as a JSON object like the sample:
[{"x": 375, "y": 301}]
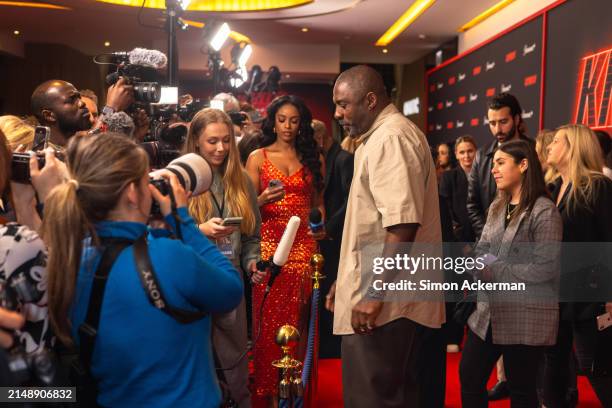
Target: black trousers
[
  {"x": 520, "y": 362},
  {"x": 381, "y": 369},
  {"x": 584, "y": 336}
]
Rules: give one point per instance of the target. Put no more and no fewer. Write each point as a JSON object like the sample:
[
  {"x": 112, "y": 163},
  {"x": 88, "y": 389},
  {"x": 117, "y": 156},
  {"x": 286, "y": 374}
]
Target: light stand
[{"x": 174, "y": 10}]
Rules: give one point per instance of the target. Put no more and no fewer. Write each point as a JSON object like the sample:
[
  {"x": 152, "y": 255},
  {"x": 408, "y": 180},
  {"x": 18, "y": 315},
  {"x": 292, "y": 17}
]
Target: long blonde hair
[
  {"x": 102, "y": 166},
  {"x": 235, "y": 187},
  {"x": 585, "y": 162},
  {"x": 17, "y": 131},
  {"x": 543, "y": 139}
]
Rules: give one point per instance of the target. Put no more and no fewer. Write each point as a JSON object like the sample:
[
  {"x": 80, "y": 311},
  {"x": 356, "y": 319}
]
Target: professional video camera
[
  {"x": 192, "y": 171},
  {"x": 139, "y": 68},
  {"x": 167, "y": 130},
  {"x": 39, "y": 367}
]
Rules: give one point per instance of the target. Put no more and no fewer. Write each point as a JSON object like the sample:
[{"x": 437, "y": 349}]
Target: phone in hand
[
  {"x": 41, "y": 137},
  {"x": 275, "y": 183},
  {"x": 231, "y": 222},
  {"x": 604, "y": 321}
]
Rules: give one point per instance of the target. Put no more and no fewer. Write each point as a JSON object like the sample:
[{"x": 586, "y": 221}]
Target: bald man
[
  {"x": 392, "y": 208},
  {"x": 58, "y": 104}
]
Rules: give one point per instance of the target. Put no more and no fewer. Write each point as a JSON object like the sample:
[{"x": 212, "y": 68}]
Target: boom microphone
[
  {"x": 119, "y": 122},
  {"x": 282, "y": 251}
]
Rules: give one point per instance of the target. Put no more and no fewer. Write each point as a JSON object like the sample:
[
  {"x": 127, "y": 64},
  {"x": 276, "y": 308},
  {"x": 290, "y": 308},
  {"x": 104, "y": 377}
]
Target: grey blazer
[{"x": 527, "y": 251}]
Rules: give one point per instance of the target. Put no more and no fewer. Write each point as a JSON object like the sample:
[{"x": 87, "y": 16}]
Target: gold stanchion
[
  {"x": 316, "y": 262},
  {"x": 290, "y": 384}
]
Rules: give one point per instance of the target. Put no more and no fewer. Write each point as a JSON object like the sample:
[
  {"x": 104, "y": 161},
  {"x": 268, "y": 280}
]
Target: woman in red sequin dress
[{"x": 289, "y": 157}]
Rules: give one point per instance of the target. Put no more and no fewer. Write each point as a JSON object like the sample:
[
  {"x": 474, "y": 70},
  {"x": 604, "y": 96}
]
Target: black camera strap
[
  {"x": 89, "y": 328},
  {"x": 153, "y": 289}
]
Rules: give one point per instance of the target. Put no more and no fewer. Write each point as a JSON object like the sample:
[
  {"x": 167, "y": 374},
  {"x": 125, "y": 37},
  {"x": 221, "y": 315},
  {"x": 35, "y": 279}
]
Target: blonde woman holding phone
[{"x": 228, "y": 214}]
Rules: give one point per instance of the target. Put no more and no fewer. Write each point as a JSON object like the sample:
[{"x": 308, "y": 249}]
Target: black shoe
[{"x": 500, "y": 391}]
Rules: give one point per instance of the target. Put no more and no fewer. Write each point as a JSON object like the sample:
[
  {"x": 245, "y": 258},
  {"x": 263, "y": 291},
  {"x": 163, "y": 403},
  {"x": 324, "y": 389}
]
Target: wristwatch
[{"x": 107, "y": 110}]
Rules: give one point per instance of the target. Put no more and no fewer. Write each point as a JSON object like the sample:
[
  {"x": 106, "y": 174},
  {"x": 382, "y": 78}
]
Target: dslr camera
[
  {"x": 192, "y": 171},
  {"x": 143, "y": 78}
]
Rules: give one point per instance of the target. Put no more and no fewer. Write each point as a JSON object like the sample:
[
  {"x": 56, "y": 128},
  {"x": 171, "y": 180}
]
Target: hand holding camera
[
  {"x": 120, "y": 95},
  {"x": 53, "y": 173},
  {"x": 9, "y": 320},
  {"x": 165, "y": 200}
]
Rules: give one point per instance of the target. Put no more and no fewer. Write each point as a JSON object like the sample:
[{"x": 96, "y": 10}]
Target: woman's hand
[
  {"x": 9, "y": 320},
  {"x": 213, "y": 228},
  {"x": 257, "y": 276},
  {"x": 52, "y": 174},
  {"x": 270, "y": 195},
  {"x": 165, "y": 202}
]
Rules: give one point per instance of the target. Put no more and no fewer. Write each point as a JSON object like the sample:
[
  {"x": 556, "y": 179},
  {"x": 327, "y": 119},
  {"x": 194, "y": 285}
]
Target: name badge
[{"x": 225, "y": 247}]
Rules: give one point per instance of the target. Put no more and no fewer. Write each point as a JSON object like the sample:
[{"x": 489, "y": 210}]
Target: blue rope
[{"x": 314, "y": 308}]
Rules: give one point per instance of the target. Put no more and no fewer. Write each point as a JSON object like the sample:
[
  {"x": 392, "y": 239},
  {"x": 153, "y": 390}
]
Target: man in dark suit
[{"x": 338, "y": 177}]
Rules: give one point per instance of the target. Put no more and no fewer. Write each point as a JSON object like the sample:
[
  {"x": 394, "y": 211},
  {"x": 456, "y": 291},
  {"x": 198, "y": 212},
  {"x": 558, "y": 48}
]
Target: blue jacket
[{"x": 143, "y": 357}]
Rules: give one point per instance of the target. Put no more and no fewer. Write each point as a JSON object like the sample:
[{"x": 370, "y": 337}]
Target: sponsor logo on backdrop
[
  {"x": 531, "y": 80},
  {"x": 452, "y": 80},
  {"x": 431, "y": 128},
  {"x": 485, "y": 121},
  {"x": 476, "y": 70},
  {"x": 489, "y": 65},
  {"x": 461, "y": 77},
  {"x": 461, "y": 100},
  {"x": 440, "y": 85},
  {"x": 430, "y": 109},
  {"x": 473, "y": 97},
  {"x": 528, "y": 49},
  {"x": 527, "y": 115},
  {"x": 505, "y": 88},
  {"x": 490, "y": 92},
  {"x": 432, "y": 87},
  {"x": 511, "y": 56},
  {"x": 440, "y": 105},
  {"x": 450, "y": 125},
  {"x": 459, "y": 124},
  {"x": 449, "y": 104},
  {"x": 593, "y": 101},
  {"x": 438, "y": 127},
  {"x": 474, "y": 122}
]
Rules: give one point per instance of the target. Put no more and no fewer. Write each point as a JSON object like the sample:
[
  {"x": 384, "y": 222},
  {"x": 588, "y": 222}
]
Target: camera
[
  {"x": 238, "y": 118},
  {"x": 38, "y": 367},
  {"x": 192, "y": 171},
  {"x": 20, "y": 165},
  {"x": 144, "y": 80}
]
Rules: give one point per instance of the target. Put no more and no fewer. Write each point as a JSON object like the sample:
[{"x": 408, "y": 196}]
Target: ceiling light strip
[
  {"x": 34, "y": 5},
  {"x": 484, "y": 15},
  {"x": 218, "y": 5},
  {"x": 413, "y": 12}
]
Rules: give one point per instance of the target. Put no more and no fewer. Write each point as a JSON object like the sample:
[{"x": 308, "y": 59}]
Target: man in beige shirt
[{"x": 393, "y": 208}]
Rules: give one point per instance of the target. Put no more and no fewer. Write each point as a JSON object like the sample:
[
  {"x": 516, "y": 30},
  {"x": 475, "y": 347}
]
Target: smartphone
[
  {"x": 275, "y": 183},
  {"x": 41, "y": 137},
  {"x": 604, "y": 321},
  {"x": 232, "y": 222}
]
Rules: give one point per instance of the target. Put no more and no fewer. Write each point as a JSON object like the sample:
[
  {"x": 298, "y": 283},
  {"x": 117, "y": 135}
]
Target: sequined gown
[{"x": 289, "y": 299}]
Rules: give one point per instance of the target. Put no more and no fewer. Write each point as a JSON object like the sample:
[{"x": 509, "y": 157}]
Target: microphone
[
  {"x": 119, "y": 122},
  {"x": 142, "y": 56},
  {"x": 315, "y": 220},
  {"x": 282, "y": 252}
]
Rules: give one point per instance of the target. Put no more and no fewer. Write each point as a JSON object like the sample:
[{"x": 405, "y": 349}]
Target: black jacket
[
  {"x": 481, "y": 185},
  {"x": 338, "y": 177},
  {"x": 453, "y": 194},
  {"x": 586, "y": 268}
]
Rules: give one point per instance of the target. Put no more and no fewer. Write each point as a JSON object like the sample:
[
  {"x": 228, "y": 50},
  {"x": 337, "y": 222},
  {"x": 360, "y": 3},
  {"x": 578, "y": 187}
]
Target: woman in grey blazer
[{"x": 520, "y": 243}]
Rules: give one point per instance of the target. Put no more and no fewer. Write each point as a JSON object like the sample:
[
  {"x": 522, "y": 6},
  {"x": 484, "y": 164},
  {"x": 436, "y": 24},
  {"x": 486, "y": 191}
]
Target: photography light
[
  {"x": 220, "y": 37},
  {"x": 184, "y": 4},
  {"x": 245, "y": 55}
]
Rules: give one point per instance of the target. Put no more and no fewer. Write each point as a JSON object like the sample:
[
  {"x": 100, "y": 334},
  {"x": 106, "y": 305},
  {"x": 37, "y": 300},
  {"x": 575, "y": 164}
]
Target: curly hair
[{"x": 305, "y": 144}]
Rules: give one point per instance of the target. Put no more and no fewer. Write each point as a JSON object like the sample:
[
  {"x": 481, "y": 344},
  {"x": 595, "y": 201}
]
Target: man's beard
[
  {"x": 506, "y": 136},
  {"x": 69, "y": 128}
]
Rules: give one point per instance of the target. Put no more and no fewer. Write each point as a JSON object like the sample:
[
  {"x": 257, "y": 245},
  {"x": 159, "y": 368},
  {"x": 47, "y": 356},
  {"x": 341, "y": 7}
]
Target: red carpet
[{"x": 329, "y": 392}]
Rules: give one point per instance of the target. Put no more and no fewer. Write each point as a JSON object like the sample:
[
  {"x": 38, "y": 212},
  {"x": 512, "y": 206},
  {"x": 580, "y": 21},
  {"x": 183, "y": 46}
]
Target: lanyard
[{"x": 221, "y": 207}]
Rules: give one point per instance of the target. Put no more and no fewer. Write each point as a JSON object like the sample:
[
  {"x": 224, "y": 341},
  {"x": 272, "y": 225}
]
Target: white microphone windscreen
[{"x": 284, "y": 246}]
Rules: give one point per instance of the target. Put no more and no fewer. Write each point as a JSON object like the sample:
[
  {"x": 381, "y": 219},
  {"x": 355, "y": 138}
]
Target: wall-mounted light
[
  {"x": 402, "y": 23},
  {"x": 484, "y": 15}
]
